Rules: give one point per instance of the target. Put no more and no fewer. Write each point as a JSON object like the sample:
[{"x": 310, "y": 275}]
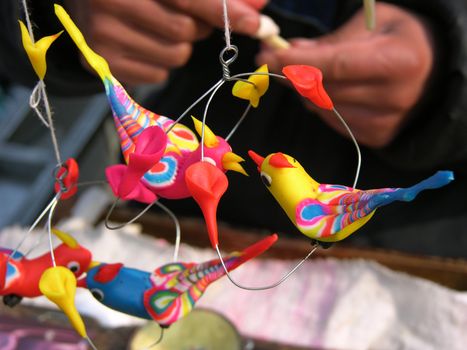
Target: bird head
[
  {"x": 285, "y": 178},
  {"x": 217, "y": 151},
  {"x": 117, "y": 287},
  {"x": 71, "y": 255},
  {"x": 100, "y": 277}
]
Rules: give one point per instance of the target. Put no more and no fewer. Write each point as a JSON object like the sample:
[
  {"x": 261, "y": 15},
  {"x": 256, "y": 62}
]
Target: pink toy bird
[{"x": 157, "y": 159}]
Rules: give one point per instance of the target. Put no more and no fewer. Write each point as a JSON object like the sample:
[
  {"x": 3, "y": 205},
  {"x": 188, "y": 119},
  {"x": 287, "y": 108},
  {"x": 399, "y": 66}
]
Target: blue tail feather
[{"x": 440, "y": 179}]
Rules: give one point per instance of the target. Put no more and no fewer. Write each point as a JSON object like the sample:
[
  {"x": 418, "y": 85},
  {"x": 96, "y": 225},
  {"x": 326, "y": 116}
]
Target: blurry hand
[
  {"x": 143, "y": 39},
  {"x": 243, "y": 14},
  {"x": 374, "y": 78}
]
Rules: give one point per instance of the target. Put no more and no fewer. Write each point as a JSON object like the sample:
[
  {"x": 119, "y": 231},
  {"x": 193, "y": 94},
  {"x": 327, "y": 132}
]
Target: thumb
[{"x": 338, "y": 60}]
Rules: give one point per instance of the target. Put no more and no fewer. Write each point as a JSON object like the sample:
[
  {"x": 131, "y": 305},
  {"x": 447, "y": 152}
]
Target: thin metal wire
[
  {"x": 235, "y": 127},
  {"x": 357, "y": 147},
  {"x": 38, "y": 241},
  {"x": 177, "y": 229},
  {"x": 161, "y": 336},
  {"x": 192, "y": 105},
  {"x": 283, "y": 279},
  {"x": 245, "y": 113},
  {"x": 217, "y": 87},
  {"x": 91, "y": 344},
  {"x": 59, "y": 179},
  {"x": 205, "y": 115},
  {"x": 49, "y": 230},
  {"x": 236, "y": 76},
  {"x": 225, "y": 63},
  {"x": 33, "y": 226},
  {"x": 141, "y": 213}
]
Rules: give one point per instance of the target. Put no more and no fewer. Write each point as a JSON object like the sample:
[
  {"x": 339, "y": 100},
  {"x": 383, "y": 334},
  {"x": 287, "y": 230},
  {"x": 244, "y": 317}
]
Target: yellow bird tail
[{"x": 97, "y": 62}]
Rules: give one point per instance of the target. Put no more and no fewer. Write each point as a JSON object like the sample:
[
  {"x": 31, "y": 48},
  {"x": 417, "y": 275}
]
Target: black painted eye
[
  {"x": 267, "y": 181},
  {"x": 98, "y": 294},
  {"x": 73, "y": 266}
]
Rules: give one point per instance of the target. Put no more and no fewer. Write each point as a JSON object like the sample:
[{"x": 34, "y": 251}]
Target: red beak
[
  {"x": 256, "y": 158},
  {"x": 82, "y": 283}
]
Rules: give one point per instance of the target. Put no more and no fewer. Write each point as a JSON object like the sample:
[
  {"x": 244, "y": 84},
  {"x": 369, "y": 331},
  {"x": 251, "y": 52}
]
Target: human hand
[
  {"x": 374, "y": 78},
  {"x": 243, "y": 14},
  {"x": 143, "y": 39}
]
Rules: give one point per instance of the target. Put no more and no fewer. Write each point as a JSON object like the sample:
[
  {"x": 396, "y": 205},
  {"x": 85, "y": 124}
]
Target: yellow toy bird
[{"x": 329, "y": 213}]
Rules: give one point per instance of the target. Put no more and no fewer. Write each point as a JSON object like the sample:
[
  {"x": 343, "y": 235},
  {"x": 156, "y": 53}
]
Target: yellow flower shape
[
  {"x": 257, "y": 86},
  {"x": 58, "y": 284},
  {"x": 36, "y": 51}
]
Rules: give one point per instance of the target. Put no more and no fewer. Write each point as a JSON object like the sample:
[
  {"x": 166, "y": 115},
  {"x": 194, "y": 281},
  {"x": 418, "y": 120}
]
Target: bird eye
[
  {"x": 73, "y": 266},
  {"x": 267, "y": 181},
  {"x": 98, "y": 294}
]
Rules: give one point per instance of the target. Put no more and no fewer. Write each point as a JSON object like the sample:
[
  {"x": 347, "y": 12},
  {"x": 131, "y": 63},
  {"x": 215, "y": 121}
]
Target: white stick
[{"x": 269, "y": 31}]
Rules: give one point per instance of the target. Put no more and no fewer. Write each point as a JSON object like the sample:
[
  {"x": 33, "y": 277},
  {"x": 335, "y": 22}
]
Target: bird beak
[
  {"x": 82, "y": 283},
  {"x": 210, "y": 139},
  {"x": 256, "y": 158},
  {"x": 231, "y": 161}
]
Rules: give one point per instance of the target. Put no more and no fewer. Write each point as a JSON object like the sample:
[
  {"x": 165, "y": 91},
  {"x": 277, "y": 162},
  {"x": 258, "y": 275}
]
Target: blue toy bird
[{"x": 167, "y": 294}]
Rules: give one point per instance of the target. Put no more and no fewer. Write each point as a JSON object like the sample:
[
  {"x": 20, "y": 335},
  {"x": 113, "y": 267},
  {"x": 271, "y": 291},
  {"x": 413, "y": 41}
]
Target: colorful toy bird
[
  {"x": 19, "y": 276},
  {"x": 167, "y": 294},
  {"x": 329, "y": 213},
  {"x": 161, "y": 160}
]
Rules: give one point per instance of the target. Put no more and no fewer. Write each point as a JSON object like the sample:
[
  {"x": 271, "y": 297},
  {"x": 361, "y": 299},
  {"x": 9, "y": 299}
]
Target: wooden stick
[{"x": 269, "y": 31}]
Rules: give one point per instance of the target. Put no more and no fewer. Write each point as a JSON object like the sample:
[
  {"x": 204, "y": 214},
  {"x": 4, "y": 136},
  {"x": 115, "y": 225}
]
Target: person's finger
[
  {"x": 384, "y": 124},
  {"x": 348, "y": 61},
  {"x": 385, "y": 95},
  {"x": 155, "y": 17},
  {"x": 131, "y": 70},
  {"x": 257, "y": 4},
  {"x": 243, "y": 15},
  {"x": 127, "y": 40}
]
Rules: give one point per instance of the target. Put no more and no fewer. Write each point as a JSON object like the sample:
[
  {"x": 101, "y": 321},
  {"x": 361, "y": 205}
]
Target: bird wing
[
  {"x": 339, "y": 208},
  {"x": 175, "y": 293},
  {"x": 178, "y": 286},
  {"x": 9, "y": 269},
  {"x": 335, "y": 208}
]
